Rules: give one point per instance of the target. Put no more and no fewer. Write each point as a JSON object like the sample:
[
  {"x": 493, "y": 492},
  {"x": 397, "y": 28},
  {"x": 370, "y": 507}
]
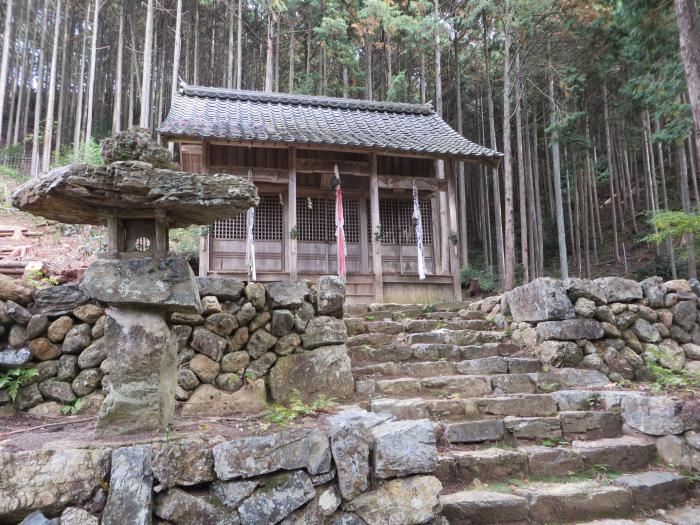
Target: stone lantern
[{"x": 138, "y": 196}]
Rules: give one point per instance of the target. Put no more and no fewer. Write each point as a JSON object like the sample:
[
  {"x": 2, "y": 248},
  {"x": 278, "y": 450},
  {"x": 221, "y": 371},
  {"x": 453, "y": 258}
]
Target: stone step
[
  {"x": 622, "y": 453},
  {"x": 379, "y": 348},
  {"x": 457, "y": 337},
  {"x": 479, "y": 366},
  {"x": 498, "y": 464}
]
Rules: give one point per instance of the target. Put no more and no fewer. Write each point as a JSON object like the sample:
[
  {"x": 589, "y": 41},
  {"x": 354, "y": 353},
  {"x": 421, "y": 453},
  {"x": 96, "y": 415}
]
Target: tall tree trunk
[
  {"x": 117, "y": 104},
  {"x": 65, "y": 51},
  {"x": 684, "y": 190},
  {"x": 689, "y": 35},
  {"x": 177, "y": 48},
  {"x": 368, "y": 67},
  {"x": 498, "y": 226},
  {"x": 39, "y": 93},
  {"x": 23, "y": 80},
  {"x": 556, "y": 167},
  {"x": 464, "y": 237},
  {"x": 145, "y": 113},
  {"x": 292, "y": 54},
  {"x": 195, "y": 61},
  {"x": 239, "y": 46},
  {"x": 423, "y": 80},
  {"x": 48, "y": 132},
  {"x": 81, "y": 87},
  {"x": 93, "y": 66},
  {"x": 608, "y": 141},
  {"x": 7, "y": 36},
  {"x": 664, "y": 194},
  {"x": 270, "y": 49},
  {"x": 522, "y": 175},
  {"x": 439, "y": 165},
  {"x": 229, "y": 68},
  {"x": 509, "y": 253}
]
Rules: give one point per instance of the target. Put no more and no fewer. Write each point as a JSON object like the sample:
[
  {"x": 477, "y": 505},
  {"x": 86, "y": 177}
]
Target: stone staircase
[{"x": 519, "y": 443}]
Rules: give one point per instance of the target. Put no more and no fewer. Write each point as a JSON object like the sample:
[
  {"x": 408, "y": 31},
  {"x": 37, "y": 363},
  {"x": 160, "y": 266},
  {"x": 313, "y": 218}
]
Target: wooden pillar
[
  {"x": 444, "y": 222},
  {"x": 364, "y": 241},
  {"x": 204, "y": 240},
  {"x": 113, "y": 236},
  {"x": 161, "y": 240},
  {"x": 454, "y": 228},
  {"x": 292, "y": 211},
  {"x": 376, "y": 243}
]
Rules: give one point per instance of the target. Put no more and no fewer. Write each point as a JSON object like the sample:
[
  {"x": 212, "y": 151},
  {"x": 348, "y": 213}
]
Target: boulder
[
  {"x": 187, "y": 379},
  {"x": 261, "y": 366},
  {"x": 408, "y": 501},
  {"x": 208, "y": 343},
  {"x": 49, "y": 480},
  {"x": 287, "y": 294},
  {"x": 130, "y": 498},
  {"x": 560, "y": 353},
  {"x": 76, "y": 516},
  {"x": 206, "y": 369},
  {"x": 685, "y": 314},
  {"x": 16, "y": 290},
  {"x": 325, "y": 371},
  {"x": 322, "y": 331},
  {"x": 584, "y": 307},
  {"x": 326, "y": 501},
  {"x": 143, "y": 373},
  {"x": 14, "y": 358},
  {"x": 330, "y": 296},
  {"x": 403, "y": 448},
  {"x": 55, "y": 301},
  {"x": 27, "y": 397},
  {"x": 221, "y": 324},
  {"x": 207, "y": 400},
  {"x": 89, "y": 313},
  {"x": 255, "y": 293},
  {"x": 232, "y": 493},
  {"x": 17, "y": 336},
  {"x": 288, "y": 450},
  {"x": 185, "y": 463},
  {"x": 654, "y": 290},
  {"x": 350, "y": 448},
  {"x": 282, "y": 322},
  {"x": 38, "y": 518},
  {"x": 654, "y": 415},
  {"x": 37, "y": 326},
  {"x": 570, "y": 330},
  {"x": 60, "y": 391},
  {"x": 58, "y": 329},
  {"x": 543, "y": 299},
  {"x": 235, "y": 361},
  {"x": 77, "y": 339},
  {"x": 577, "y": 288},
  {"x": 136, "y": 144},
  {"x": 18, "y": 313},
  {"x": 167, "y": 284},
  {"x": 223, "y": 288},
  {"x": 646, "y": 331},
  {"x": 287, "y": 344},
  {"x": 94, "y": 354},
  {"x": 283, "y": 494},
  {"x": 178, "y": 507},
  {"x": 86, "y": 382},
  {"x": 618, "y": 289}
]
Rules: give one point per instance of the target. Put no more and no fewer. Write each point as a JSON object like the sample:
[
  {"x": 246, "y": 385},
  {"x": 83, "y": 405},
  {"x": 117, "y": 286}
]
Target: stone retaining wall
[
  {"x": 617, "y": 326},
  {"x": 252, "y": 342},
  {"x": 363, "y": 468}
]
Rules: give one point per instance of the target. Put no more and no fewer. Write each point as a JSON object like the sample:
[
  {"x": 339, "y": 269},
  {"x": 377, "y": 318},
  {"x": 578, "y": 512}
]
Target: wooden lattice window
[
  {"x": 268, "y": 222},
  {"x": 316, "y": 219},
  {"x": 396, "y": 218}
]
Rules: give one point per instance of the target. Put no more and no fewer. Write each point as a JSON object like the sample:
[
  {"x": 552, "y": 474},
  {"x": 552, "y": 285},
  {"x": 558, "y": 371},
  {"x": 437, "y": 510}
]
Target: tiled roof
[{"x": 237, "y": 115}]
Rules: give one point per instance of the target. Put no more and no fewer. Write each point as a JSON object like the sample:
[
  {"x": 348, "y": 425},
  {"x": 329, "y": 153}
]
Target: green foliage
[
  {"x": 185, "y": 242},
  {"x": 673, "y": 224},
  {"x": 13, "y": 379},
  {"x": 88, "y": 153},
  {"x": 593, "y": 401},
  {"x": 281, "y": 414},
  {"x": 37, "y": 279},
  {"x": 7, "y": 172},
  {"x": 665, "y": 380},
  {"x": 555, "y": 442},
  {"x": 74, "y": 407},
  {"x": 487, "y": 280}
]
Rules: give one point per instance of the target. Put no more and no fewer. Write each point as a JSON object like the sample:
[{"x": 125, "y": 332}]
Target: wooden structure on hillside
[{"x": 291, "y": 144}]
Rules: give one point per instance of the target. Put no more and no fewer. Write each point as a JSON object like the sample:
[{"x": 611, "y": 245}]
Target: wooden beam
[
  {"x": 454, "y": 228},
  {"x": 345, "y": 167},
  {"x": 376, "y": 243},
  {"x": 292, "y": 211},
  {"x": 404, "y": 182}
]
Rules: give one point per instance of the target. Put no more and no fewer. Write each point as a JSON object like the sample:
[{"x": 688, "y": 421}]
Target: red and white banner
[{"x": 340, "y": 225}]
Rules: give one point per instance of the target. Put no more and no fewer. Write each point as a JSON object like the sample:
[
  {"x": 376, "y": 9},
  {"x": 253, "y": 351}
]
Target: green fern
[
  {"x": 281, "y": 414},
  {"x": 13, "y": 379}
]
